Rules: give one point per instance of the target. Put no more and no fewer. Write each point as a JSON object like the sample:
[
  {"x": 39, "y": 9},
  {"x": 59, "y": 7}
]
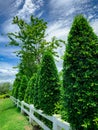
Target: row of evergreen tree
[
  {"x": 76, "y": 99},
  {"x": 42, "y": 90}
]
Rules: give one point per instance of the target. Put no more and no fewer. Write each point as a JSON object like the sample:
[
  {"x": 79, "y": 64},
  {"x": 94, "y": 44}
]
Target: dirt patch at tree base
[{"x": 36, "y": 128}]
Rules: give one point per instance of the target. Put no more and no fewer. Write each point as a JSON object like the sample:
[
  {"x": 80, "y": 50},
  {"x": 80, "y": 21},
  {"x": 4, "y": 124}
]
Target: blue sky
[{"x": 58, "y": 13}]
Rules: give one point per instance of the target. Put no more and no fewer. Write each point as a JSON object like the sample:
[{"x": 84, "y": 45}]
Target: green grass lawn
[{"x": 11, "y": 118}]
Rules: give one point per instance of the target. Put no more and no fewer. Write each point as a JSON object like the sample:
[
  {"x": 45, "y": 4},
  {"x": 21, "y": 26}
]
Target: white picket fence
[{"x": 29, "y": 109}]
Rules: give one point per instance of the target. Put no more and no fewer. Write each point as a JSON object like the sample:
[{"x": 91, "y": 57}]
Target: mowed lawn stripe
[{"x": 10, "y": 117}]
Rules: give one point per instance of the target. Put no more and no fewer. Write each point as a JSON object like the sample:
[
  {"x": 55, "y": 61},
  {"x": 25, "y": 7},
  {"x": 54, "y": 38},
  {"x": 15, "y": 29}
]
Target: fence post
[
  {"x": 54, "y": 124},
  {"x": 22, "y": 107},
  {"x": 31, "y": 113}
]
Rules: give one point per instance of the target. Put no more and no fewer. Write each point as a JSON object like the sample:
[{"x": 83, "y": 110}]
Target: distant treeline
[{"x": 5, "y": 87}]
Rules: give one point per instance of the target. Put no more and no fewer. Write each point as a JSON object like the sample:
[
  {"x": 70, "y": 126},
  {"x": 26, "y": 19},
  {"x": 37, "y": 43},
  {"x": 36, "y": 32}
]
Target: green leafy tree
[
  {"x": 48, "y": 84},
  {"x": 31, "y": 41},
  {"x": 22, "y": 88},
  {"x": 80, "y": 77},
  {"x": 29, "y": 93},
  {"x": 5, "y": 87}
]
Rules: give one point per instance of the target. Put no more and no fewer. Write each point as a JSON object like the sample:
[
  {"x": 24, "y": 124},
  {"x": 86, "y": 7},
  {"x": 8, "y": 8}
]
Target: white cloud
[
  {"x": 29, "y": 8},
  {"x": 40, "y": 14},
  {"x": 60, "y": 3},
  {"x": 61, "y": 8},
  {"x": 57, "y": 29},
  {"x": 8, "y": 52},
  {"x": 22, "y": 8},
  {"x": 90, "y": 16},
  {"x": 94, "y": 25},
  {"x": 9, "y": 27},
  {"x": 9, "y": 8},
  {"x": 18, "y": 3},
  {"x": 70, "y": 11},
  {"x": 7, "y": 73},
  {"x": 3, "y": 39}
]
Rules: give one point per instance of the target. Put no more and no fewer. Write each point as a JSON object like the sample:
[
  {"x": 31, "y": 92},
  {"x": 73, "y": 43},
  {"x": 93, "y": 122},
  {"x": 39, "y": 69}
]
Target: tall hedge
[
  {"x": 48, "y": 84},
  {"x": 29, "y": 93},
  {"x": 16, "y": 85},
  {"x": 80, "y": 78},
  {"x": 22, "y": 88},
  {"x": 36, "y": 91}
]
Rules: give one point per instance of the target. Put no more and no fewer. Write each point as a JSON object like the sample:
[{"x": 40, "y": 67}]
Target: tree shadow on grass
[{"x": 7, "y": 108}]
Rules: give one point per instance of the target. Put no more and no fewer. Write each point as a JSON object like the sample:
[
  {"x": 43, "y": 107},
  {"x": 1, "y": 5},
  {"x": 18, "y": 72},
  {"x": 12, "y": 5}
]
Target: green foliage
[
  {"x": 29, "y": 93},
  {"x": 31, "y": 40},
  {"x": 4, "y": 88},
  {"x": 22, "y": 88},
  {"x": 36, "y": 91},
  {"x": 62, "y": 110},
  {"x": 80, "y": 77},
  {"x": 16, "y": 85},
  {"x": 48, "y": 84}
]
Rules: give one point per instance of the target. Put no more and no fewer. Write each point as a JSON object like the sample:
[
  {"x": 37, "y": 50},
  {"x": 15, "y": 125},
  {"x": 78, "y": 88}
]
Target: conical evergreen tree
[
  {"x": 16, "y": 86},
  {"x": 48, "y": 84},
  {"x": 80, "y": 77},
  {"x": 22, "y": 88},
  {"x": 36, "y": 91},
  {"x": 29, "y": 93}
]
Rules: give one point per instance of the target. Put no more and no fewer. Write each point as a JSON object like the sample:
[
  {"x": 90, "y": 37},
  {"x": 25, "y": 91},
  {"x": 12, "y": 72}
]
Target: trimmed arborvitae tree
[
  {"x": 29, "y": 93},
  {"x": 81, "y": 76},
  {"x": 22, "y": 88},
  {"x": 48, "y": 84},
  {"x": 16, "y": 86},
  {"x": 36, "y": 91}
]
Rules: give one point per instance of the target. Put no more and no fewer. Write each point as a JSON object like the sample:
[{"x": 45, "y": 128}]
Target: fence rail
[{"x": 29, "y": 109}]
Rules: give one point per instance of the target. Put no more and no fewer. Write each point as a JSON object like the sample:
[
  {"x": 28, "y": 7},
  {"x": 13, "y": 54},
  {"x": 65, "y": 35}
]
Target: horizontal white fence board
[
  {"x": 40, "y": 123},
  {"x": 25, "y": 104},
  {"x": 62, "y": 123},
  {"x": 44, "y": 115},
  {"x": 29, "y": 109}
]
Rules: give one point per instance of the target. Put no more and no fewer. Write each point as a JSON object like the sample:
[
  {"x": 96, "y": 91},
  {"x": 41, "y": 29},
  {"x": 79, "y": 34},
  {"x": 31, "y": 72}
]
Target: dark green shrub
[
  {"x": 48, "y": 84},
  {"x": 29, "y": 93},
  {"x": 22, "y": 88},
  {"x": 80, "y": 78}
]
